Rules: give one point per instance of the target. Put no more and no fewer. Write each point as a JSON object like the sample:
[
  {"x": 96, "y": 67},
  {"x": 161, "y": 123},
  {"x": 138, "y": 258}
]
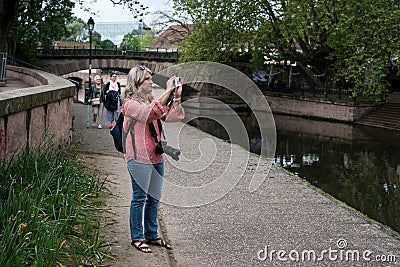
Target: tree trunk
[{"x": 8, "y": 14}]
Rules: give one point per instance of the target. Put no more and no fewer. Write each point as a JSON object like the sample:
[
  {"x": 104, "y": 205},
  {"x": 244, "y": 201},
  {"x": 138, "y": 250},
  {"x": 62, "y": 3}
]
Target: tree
[
  {"x": 366, "y": 43},
  {"x": 351, "y": 41},
  {"x": 13, "y": 13},
  {"x": 96, "y": 39},
  {"x": 8, "y": 16},
  {"x": 137, "y": 42},
  {"x": 77, "y": 30},
  {"x": 132, "y": 41},
  {"x": 145, "y": 41},
  {"x": 107, "y": 44},
  {"x": 39, "y": 22},
  {"x": 219, "y": 33}
]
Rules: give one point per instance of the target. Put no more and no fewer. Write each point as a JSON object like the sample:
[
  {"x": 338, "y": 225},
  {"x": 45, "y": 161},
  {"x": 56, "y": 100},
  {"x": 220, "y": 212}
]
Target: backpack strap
[
  {"x": 153, "y": 130},
  {"x": 124, "y": 135}
]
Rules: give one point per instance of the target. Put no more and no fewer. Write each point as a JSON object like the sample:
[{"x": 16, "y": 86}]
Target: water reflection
[{"x": 357, "y": 165}]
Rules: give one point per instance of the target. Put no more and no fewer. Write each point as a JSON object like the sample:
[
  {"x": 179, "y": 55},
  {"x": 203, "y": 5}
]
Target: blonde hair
[{"x": 134, "y": 80}]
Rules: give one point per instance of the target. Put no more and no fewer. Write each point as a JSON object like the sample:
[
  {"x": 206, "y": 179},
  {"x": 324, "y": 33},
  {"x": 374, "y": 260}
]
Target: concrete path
[{"x": 285, "y": 222}]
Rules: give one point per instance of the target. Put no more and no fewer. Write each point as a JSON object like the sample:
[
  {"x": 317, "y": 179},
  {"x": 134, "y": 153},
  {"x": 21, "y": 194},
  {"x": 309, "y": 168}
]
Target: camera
[
  {"x": 178, "y": 81},
  {"x": 162, "y": 147}
]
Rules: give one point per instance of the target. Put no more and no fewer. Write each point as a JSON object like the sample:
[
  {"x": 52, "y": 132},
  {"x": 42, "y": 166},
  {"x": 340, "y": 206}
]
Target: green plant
[{"x": 48, "y": 211}]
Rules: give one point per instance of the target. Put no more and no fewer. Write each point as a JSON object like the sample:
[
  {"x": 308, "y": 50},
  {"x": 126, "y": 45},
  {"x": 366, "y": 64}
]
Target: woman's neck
[{"x": 144, "y": 97}]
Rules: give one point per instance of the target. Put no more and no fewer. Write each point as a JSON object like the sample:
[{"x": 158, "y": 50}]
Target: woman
[
  {"x": 96, "y": 99},
  {"x": 145, "y": 166},
  {"x": 112, "y": 100}
]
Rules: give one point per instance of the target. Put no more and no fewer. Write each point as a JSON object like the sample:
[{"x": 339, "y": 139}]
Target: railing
[
  {"x": 12, "y": 61},
  {"x": 321, "y": 93},
  {"x": 310, "y": 84},
  {"x": 157, "y": 53},
  {"x": 3, "y": 64}
]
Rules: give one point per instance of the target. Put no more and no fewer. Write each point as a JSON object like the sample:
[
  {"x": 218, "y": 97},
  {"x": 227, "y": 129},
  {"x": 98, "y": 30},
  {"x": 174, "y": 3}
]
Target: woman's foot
[
  {"x": 141, "y": 246},
  {"x": 158, "y": 242}
]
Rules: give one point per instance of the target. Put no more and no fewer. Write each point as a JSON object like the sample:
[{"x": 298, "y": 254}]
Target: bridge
[{"x": 68, "y": 60}]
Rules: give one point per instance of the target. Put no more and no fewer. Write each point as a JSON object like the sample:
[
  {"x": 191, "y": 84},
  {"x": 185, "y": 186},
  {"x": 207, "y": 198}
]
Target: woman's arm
[
  {"x": 119, "y": 88},
  {"x": 170, "y": 87},
  {"x": 107, "y": 87},
  {"x": 102, "y": 93},
  {"x": 92, "y": 93},
  {"x": 144, "y": 112}
]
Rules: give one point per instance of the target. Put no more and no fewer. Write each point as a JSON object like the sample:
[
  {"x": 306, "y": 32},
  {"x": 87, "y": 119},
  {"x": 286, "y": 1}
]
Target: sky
[{"x": 107, "y": 12}]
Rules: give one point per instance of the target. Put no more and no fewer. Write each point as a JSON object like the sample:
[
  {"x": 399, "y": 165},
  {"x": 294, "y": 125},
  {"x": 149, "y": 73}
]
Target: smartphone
[{"x": 178, "y": 81}]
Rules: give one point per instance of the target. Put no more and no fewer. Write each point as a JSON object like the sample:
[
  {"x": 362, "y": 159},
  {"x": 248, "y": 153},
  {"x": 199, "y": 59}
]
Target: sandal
[
  {"x": 141, "y": 246},
  {"x": 158, "y": 242}
]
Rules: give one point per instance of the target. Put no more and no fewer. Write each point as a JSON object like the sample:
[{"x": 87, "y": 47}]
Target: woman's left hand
[
  {"x": 178, "y": 90},
  {"x": 170, "y": 84}
]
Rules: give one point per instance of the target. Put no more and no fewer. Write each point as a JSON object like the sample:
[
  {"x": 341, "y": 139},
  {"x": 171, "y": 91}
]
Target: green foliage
[
  {"x": 366, "y": 40},
  {"x": 354, "y": 42},
  {"x": 145, "y": 41},
  {"x": 39, "y": 22},
  {"x": 45, "y": 201},
  {"x": 132, "y": 41},
  {"x": 137, "y": 42},
  {"x": 76, "y": 30},
  {"x": 221, "y": 32},
  {"x": 96, "y": 39},
  {"x": 107, "y": 44}
]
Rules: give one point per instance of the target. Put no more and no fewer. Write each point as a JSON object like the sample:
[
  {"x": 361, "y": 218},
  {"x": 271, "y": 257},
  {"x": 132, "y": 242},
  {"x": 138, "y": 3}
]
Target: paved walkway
[{"x": 286, "y": 222}]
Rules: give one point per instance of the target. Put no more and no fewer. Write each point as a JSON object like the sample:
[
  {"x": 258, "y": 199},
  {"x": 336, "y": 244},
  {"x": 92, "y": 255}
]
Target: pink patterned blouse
[{"x": 144, "y": 142}]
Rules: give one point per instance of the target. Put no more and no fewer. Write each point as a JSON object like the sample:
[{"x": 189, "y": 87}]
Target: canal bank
[
  {"x": 358, "y": 165},
  {"x": 285, "y": 222}
]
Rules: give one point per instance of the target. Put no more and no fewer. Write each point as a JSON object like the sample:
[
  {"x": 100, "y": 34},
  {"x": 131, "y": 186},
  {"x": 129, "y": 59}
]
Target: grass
[{"x": 49, "y": 213}]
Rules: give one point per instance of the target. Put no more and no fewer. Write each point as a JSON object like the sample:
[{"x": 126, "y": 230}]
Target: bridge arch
[{"x": 64, "y": 65}]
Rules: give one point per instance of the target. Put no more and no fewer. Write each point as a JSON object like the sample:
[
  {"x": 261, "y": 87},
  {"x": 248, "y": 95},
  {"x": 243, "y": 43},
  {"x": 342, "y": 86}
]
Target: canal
[{"x": 357, "y": 165}]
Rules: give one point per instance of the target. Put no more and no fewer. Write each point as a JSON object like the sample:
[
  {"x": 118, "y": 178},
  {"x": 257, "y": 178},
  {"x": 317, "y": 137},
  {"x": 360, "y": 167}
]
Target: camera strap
[{"x": 153, "y": 130}]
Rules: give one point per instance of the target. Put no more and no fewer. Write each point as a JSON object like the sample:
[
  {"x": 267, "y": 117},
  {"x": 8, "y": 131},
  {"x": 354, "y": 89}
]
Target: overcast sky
[{"x": 106, "y": 12}]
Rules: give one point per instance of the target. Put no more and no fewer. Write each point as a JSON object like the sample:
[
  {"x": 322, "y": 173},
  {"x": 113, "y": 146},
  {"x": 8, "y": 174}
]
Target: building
[
  {"x": 169, "y": 39},
  {"x": 115, "y": 31}
]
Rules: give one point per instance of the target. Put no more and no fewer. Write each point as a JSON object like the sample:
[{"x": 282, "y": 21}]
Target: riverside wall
[
  {"x": 29, "y": 115},
  {"x": 317, "y": 109},
  {"x": 290, "y": 105}
]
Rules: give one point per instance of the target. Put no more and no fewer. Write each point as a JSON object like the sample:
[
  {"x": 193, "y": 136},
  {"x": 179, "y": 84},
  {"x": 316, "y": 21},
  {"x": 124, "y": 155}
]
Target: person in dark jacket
[
  {"x": 96, "y": 99},
  {"x": 112, "y": 92}
]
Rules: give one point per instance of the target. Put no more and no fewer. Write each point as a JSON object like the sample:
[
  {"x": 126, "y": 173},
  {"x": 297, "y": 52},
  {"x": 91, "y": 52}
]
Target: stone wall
[
  {"x": 28, "y": 115},
  {"x": 308, "y": 108},
  {"x": 317, "y": 109}
]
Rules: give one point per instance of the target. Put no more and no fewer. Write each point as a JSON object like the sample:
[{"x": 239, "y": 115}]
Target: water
[{"x": 357, "y": 165}]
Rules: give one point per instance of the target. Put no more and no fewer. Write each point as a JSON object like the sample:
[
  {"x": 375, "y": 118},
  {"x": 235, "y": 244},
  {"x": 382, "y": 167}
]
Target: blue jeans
[{"x": 147, "y": 181}]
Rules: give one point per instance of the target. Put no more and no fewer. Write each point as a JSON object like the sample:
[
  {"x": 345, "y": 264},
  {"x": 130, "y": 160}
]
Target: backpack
[
  {"x": 119, "y": 136},
  {"x": 111, "y": 102}
]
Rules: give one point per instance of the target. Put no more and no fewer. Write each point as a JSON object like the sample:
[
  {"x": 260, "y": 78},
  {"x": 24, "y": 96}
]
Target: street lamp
[{"x": 90, "y": 24}]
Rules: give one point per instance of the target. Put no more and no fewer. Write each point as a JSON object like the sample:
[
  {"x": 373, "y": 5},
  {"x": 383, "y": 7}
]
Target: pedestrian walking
[
  {"x": 96, "y": 100},
  {"x": 112, "y": 103},
  {"x": 56, "y": 48},
  {"x": 145, "y": 162},
  {"x": 123, "y": 47}
]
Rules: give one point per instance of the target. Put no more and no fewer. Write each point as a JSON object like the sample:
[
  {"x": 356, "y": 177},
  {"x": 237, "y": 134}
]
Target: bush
[{"x": 46, "y": 204}]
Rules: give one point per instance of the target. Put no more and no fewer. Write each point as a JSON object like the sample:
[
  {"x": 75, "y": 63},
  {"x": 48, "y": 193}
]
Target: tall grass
[{"x": 46, "y": 211}]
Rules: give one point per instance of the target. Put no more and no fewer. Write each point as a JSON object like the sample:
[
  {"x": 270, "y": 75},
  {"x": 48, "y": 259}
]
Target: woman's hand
[
  {"x": 178, "y": 90},
  {"x": 170, "y": 84}
]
